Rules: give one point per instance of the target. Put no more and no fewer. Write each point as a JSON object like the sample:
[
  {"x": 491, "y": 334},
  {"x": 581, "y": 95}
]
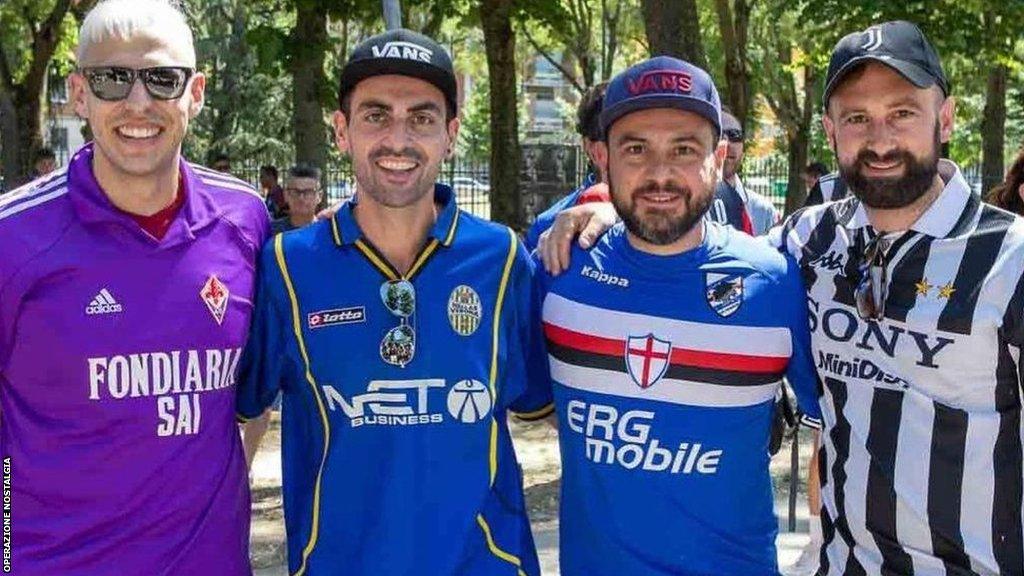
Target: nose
[
  {"x": 881, "y": 137},
  {"x": 138, "y": 98}
]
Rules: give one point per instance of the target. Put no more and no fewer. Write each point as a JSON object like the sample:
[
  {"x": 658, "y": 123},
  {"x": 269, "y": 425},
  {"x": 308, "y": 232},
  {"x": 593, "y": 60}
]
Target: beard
[
  {"x": 656, "y": 226},
  {"x": 894, "y": 191}
]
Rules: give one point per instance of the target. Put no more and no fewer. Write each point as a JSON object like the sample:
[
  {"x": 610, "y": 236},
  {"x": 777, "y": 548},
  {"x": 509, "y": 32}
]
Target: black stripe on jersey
[
  {"x": 846, "y": 282},
  {"x": 675, "y": 371},
  {"x": 945, "y": 485},
  {"x": 963, "y": 224},
  {"x": 979, "y": 256},
  {"x": 840, "y": 435},
  {"x": 1008, "y": 459},
  {"x": 908, "y": 272},
  {"x": 828, "y": 533},
  {"x": 822, "y": 236},
  {"x": 880, "y": 514}
]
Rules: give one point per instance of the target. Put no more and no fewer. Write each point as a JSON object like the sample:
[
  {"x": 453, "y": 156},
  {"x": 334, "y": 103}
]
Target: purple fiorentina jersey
[{"x": 117, "y": 362}]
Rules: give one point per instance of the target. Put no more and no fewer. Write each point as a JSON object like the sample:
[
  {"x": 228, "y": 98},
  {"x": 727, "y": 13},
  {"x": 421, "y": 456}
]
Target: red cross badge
[{"x": 647, "y": 359}]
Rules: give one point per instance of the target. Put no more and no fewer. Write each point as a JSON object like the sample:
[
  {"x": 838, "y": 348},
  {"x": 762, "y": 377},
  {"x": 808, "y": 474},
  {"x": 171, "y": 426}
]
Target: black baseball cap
[
  {"x": 899, "y": 45},
  {"x": 405, "y": 53}
]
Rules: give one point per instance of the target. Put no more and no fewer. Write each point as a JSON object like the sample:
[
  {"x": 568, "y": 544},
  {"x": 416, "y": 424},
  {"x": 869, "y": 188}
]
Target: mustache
[
  {"x": 897, "y": 155},
  {"x": 407, "y": 152},
  {"x": 669, "y": 186}
]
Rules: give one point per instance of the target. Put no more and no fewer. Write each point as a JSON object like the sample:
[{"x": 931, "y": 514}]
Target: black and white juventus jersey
[
  {"x": 922, "y": 448},
  {"x": 828, "y": 188}
]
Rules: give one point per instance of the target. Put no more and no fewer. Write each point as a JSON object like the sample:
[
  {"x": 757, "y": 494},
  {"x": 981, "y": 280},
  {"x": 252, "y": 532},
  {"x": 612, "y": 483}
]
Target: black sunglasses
[
  {"x": 733, "y": 135},
  {"x": 113, "y": 83},
  {"x": 873, "y": 286}
]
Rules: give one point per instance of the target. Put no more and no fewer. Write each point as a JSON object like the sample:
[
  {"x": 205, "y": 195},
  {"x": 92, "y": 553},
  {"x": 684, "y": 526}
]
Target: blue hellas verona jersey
[
  {"x": 389, "y": 469},
  {"x": 663, "y": 371}
]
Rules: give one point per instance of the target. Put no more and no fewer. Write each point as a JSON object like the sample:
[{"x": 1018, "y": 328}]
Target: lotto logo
[
  {"x": 325, "y": 318},
  {"x": 469, "y": 401}
]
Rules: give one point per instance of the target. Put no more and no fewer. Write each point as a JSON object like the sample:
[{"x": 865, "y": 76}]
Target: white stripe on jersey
[
  {"x": 670, "y": 390},
  {"x": 35, "y": 188},
  {"x": 35, "y": 201},
  {"x": 742, "y": 340},
  {"x": 913, "y": 460},
  {"x": 221, "y": 180}
]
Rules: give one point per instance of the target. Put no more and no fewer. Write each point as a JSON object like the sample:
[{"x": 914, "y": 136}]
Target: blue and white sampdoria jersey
[
  {"x": 663, "y": 371},
  {"x": 393, "y": 470}
]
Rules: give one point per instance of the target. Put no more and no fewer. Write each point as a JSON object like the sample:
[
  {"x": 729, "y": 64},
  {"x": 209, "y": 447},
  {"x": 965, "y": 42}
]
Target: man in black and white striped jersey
[{"x": 916, "y": 295}]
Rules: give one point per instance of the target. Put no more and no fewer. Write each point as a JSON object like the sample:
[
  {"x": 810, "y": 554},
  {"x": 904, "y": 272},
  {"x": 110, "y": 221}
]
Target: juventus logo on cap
[{"x": 873, "y": 40}]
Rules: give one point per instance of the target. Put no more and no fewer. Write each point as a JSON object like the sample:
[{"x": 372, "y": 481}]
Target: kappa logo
[
  {"x": 215, "y": 294},
  {"x": 336, "y": 316},
  {"x": 404, "y": 50},
  {"x": 724, "y": 293},
  {"x": 661, "y": 81},
  {"x": 831, "y": 260},
  {"x": 604, "y": 277}
]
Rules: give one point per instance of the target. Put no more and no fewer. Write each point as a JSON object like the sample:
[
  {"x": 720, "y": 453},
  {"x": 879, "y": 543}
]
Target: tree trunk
[
  {"x": 993, "y": 128},
  {"x": 229, "y": 70},
  {"x": 22, "y": 103},
  {"x": 309, "y": 44},
  {"x": 500, "y": 43},
  {"x": 733, "y": 24},
  {"x": 797, "y": 144},
  {"x": 673, "y": 29}
]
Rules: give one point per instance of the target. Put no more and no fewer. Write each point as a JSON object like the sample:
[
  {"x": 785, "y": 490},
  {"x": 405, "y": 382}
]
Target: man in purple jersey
[{"x": 126, "y": 286}]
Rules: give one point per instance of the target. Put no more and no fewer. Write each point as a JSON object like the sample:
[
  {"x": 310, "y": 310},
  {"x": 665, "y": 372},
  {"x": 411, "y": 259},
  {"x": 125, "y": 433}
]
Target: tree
[
  {"x": 733, "y": 21},
  {"x": 789, "y": 83},
  {"x": 35, "y": 32},
  {"x": 589, "y": 48},
  {"x": 309, "y": 44},
  {"x": 500, "y": 42},
  {"x": 673, "y": 29}
]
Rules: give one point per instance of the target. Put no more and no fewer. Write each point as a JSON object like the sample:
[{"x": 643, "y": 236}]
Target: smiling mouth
[
  {"x": 138, "y": 132},
  {"x": 399, "y": 165}
]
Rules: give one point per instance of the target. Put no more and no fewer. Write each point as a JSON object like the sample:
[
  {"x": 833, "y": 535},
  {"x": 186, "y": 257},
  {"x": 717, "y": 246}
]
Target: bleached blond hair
[{"x": 124, "y": 19}]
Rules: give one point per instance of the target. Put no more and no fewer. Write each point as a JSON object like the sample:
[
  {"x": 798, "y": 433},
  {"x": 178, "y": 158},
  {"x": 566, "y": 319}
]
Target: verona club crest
[
  {"x": 724, "y": 293},
  {"x": 464, "y": 310}
]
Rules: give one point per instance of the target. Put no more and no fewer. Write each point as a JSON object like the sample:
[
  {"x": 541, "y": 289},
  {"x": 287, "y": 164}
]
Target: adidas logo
[{"x": 103, "y": 303}]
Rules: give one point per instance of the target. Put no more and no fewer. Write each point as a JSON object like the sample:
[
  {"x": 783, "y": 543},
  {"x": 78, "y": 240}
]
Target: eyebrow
[
  {"x": 421, "y": 107},
  {"x": 630, "y": 138}
]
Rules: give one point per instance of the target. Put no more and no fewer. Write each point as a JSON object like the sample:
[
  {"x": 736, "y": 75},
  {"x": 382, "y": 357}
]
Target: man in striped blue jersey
[
  {"x": 917, "y": 309},
  {"x": 667, "y": 343}
]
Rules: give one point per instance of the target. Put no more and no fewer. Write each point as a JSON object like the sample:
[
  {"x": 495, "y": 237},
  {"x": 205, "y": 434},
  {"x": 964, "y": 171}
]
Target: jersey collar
[
  {"x": 941, "y": 218},
  {"x": 346, "y": 231},
  {"x": 92, "y": 205}
]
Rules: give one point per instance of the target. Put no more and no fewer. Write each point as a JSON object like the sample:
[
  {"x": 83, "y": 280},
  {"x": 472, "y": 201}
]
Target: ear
[
  {"x": 198, "y": 92},
  {"x": 453, "y": 135},
  {"x": 947, "y": 117},
  {"x": 599, "y": 155},
  {"x": 1020, "y": 191},
  {"x": 341, "y": 132},
  {"x": 721, "y": 151},
  {"x": 830, "y": 130},
  {"x": 80, "y": 94}
]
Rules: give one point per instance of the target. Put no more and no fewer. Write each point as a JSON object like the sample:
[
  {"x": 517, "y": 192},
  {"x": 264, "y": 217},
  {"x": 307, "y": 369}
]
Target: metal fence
[{"x": 471, "y": 181}]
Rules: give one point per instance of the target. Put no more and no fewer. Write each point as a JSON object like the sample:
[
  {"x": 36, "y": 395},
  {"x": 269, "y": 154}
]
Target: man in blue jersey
[
  {"x": 666, "y": 344},
  {"x": 593, "y": 188},
  {"x": 396, "y": 330}
]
